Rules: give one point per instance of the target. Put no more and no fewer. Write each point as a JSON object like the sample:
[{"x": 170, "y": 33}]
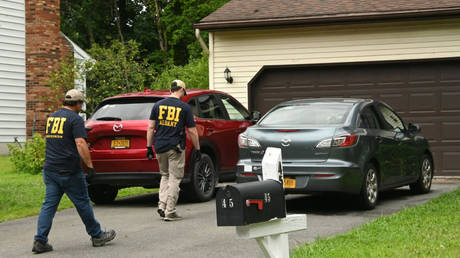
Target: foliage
[
  {"x": 29, "y": 159},
  {"x": 115, "y": 70},
  {"x": 194, "y": 74},
  {"x": 163, "y": 28},
  {"x": 32, "y": 192},
  {"x": 62, "y": 80},
  {"x": 428, "y": 230}
]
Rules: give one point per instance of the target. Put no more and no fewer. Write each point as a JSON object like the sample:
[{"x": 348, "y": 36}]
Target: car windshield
[
  {"x": 128, "y": 110},
  {"x": 308, "y": 114}
]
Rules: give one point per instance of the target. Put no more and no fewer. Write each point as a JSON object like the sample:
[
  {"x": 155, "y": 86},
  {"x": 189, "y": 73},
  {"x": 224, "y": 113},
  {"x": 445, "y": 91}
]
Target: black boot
[{"x": 40, "y": 247}]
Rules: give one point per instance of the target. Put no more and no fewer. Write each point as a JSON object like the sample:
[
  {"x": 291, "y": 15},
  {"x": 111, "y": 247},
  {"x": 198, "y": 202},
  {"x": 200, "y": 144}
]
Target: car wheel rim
[
  {"x": 371, "y": 185},
  {"x": 205, "y": 177},
  {"x": 426, "y": 173}
]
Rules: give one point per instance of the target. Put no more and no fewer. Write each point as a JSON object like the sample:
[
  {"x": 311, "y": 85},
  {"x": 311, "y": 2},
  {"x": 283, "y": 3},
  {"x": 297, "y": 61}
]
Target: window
[
  {"x": 234, "y": 109},
  {"x": 390, "y": 120},
  {"x": 368, "y": 119},
  {"x": 210, "y": 108},
  {"x": 309, "y": 114},
  {"x": 124, "y": 110},
  {"x": 193, "y": 106}
]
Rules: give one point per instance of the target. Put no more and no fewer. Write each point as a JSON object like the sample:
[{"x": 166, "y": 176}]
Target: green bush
[
  {"x": 29, "y": 159},
  {"x": 194, "y": 74}
]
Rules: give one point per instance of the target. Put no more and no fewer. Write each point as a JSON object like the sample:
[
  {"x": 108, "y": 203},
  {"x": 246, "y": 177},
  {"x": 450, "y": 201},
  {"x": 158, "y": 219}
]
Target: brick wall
[{"x": 45, "y": 47}]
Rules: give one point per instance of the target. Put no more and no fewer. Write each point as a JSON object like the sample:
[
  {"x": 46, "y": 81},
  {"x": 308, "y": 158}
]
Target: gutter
[
  {"x": 200, "y": 39},
  {"x": 217, "y": 25}
]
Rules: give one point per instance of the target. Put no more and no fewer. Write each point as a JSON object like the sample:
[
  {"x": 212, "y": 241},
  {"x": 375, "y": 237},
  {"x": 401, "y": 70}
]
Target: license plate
[
  {"x": 289, "y": 183},
  {"x": 120, "y": 143}
]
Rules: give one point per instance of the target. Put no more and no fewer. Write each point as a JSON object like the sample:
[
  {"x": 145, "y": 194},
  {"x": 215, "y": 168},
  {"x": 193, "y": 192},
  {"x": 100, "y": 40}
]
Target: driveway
[{"x": 142, "y": 234}]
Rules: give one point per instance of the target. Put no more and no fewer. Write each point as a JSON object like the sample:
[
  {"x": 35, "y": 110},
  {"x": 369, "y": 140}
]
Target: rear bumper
[
  {"x": 128, "y": 179},
  {"x": 328, "y": 176}
]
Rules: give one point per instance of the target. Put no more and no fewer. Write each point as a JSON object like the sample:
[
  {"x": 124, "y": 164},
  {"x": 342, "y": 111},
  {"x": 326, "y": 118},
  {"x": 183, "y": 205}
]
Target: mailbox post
[{"x": 258, "y": 209}]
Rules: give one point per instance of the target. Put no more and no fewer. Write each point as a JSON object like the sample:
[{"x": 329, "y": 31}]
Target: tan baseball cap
[
  {"x": 74, "y": 95},
  {"x": 178, "y": 83}
]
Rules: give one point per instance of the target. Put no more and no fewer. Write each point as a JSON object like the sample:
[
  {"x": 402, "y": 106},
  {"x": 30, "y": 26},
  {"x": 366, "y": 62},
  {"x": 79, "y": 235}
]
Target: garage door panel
[
  {"x": 449, "y": 72},
  {"x": 398, "y": 101},
  {"x": 430, "y": 130},
  {"x": 423, "y": 73},
  {"x": 450, "y": 161},
  {"x": 426, "y": 102},
  {"x": 450, "y": 101},
  {"x": 423, "y": 92},
  {"x": 391, "y": 75},
  {"x": 450, "y": 132}
]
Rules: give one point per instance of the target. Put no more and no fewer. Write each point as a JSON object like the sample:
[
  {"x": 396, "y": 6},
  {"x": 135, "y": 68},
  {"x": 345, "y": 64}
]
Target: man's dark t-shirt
[
  {"x": 171, "y": 116},
  {"x": 62, "y": 128}
]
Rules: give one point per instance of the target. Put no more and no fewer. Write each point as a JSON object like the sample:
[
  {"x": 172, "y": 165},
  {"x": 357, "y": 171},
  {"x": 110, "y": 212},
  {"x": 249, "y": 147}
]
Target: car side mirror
[
  {"x": 413, "y": 128},
  {"x": 255, "y": 116}
]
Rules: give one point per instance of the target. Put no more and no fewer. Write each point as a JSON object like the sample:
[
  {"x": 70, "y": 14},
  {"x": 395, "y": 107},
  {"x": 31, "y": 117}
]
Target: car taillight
[
  {"x": 338, "y": 141},
  {"x": 245, "y": 142}
]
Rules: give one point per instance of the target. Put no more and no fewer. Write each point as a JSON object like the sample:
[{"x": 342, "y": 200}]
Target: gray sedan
[{"x": 356, "y": 146}]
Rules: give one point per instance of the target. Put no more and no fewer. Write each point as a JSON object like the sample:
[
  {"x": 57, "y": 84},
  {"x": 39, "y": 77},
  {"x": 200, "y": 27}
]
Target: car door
[
  {"x": 238, "y": 119},
  {"x": 211, "y": 122},
  {"x": 391, "y": 153}
]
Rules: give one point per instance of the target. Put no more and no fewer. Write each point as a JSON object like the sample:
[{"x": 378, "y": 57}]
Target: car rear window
[
  {"x": 137, "y": 109},
  {"x": 308, "y": 114}
]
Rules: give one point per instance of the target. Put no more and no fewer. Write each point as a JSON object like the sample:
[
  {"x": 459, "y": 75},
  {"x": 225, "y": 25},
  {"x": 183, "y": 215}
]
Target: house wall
[
  {"x": 244, "y": 52},
  {"x": 46, "y": 47},
  {"x": 12, "y": 73}
]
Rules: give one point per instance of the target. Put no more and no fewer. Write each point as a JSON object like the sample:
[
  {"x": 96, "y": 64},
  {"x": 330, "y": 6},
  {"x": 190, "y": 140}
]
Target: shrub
[
  {"x": 194, "y": 74},
  {"x": 29, "y": 159}
]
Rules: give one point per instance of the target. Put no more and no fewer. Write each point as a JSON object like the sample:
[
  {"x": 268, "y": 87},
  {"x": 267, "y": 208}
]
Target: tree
[
  {"x": 117, "y": 69},
  {"x": 163, "y": 28}
]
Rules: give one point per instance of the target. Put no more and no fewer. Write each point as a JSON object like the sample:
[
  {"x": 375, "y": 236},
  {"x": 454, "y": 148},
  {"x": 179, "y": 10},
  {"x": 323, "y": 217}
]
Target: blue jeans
[{"x": 75, "y": 187}]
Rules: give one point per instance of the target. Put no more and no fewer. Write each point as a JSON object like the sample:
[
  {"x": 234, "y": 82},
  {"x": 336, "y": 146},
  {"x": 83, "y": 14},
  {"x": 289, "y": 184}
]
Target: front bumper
[{"x": 328, "y": 176}]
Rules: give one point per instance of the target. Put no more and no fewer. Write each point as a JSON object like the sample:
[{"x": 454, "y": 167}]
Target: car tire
[
  {"x": 203, "y": 180},
  {"x": 423, "y": 184},
  {"x": 102, "y": 194},
  {"x": 370, "y": 188}
]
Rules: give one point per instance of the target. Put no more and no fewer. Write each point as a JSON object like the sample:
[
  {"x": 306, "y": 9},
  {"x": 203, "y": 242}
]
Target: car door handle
[{"x": 210, "y": 129}]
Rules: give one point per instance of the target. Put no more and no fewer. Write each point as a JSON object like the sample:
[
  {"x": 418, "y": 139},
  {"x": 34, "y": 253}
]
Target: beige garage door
[{"x": 427, "y": 93}]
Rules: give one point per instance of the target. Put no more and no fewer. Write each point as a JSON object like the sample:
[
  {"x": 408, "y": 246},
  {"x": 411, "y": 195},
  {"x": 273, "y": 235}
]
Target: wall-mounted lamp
[{"x": 228, "y": 75}]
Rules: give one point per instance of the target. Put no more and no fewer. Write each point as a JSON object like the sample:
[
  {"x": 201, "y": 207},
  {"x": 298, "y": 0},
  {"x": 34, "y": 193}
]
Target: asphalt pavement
[{"x": 141, "y": 233}]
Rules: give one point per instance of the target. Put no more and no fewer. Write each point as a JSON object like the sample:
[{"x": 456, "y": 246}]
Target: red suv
[{"x": 117, "y": 141}]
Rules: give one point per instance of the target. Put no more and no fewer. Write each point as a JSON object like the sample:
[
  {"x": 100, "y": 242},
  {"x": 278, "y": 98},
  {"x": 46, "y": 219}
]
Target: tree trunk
[
  {"x": 117, "y": 20},
  {"x": 161, "y": 38}
]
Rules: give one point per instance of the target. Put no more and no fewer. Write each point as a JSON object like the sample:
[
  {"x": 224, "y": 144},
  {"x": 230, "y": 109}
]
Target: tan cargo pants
[{"x": 172, "y": 171}]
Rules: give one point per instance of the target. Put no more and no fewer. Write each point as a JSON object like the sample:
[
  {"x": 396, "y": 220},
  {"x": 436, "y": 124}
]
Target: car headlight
[{"x": 247, "y": 142}]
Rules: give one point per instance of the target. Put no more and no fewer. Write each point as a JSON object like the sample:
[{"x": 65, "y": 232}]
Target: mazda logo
[
  {"x": 117, "y": 127},
  {"x": 285, "y": 142}
]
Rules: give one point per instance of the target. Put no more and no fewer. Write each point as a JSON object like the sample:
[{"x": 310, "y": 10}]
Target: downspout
[{"x": 200, "y": 39}]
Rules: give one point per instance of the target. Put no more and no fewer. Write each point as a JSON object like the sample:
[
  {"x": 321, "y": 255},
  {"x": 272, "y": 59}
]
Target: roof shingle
[{"x": 246, "y": 13}]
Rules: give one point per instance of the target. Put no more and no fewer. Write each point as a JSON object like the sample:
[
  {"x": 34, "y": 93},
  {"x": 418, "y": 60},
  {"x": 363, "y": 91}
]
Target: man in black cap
[
  {"x": 62, "y": 173},
  {"x": 169, "y": 118}
]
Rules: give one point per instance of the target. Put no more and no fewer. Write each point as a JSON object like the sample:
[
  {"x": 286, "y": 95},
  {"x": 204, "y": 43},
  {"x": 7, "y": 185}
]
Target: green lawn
[
  {"x": 429, "y": 230},
  {"x": 21, "y": 195}
]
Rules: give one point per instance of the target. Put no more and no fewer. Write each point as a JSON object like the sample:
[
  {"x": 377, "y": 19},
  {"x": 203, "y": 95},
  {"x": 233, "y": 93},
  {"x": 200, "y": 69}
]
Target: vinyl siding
[
  {"x": 12, "y": 72},
  {"x": 244, "y": 52}
]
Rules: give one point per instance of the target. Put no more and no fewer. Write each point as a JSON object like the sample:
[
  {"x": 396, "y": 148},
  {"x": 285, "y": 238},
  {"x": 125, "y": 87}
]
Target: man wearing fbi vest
[
  {"x": 166, "y": 131},
  {"x": 66, "y": 147}
]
